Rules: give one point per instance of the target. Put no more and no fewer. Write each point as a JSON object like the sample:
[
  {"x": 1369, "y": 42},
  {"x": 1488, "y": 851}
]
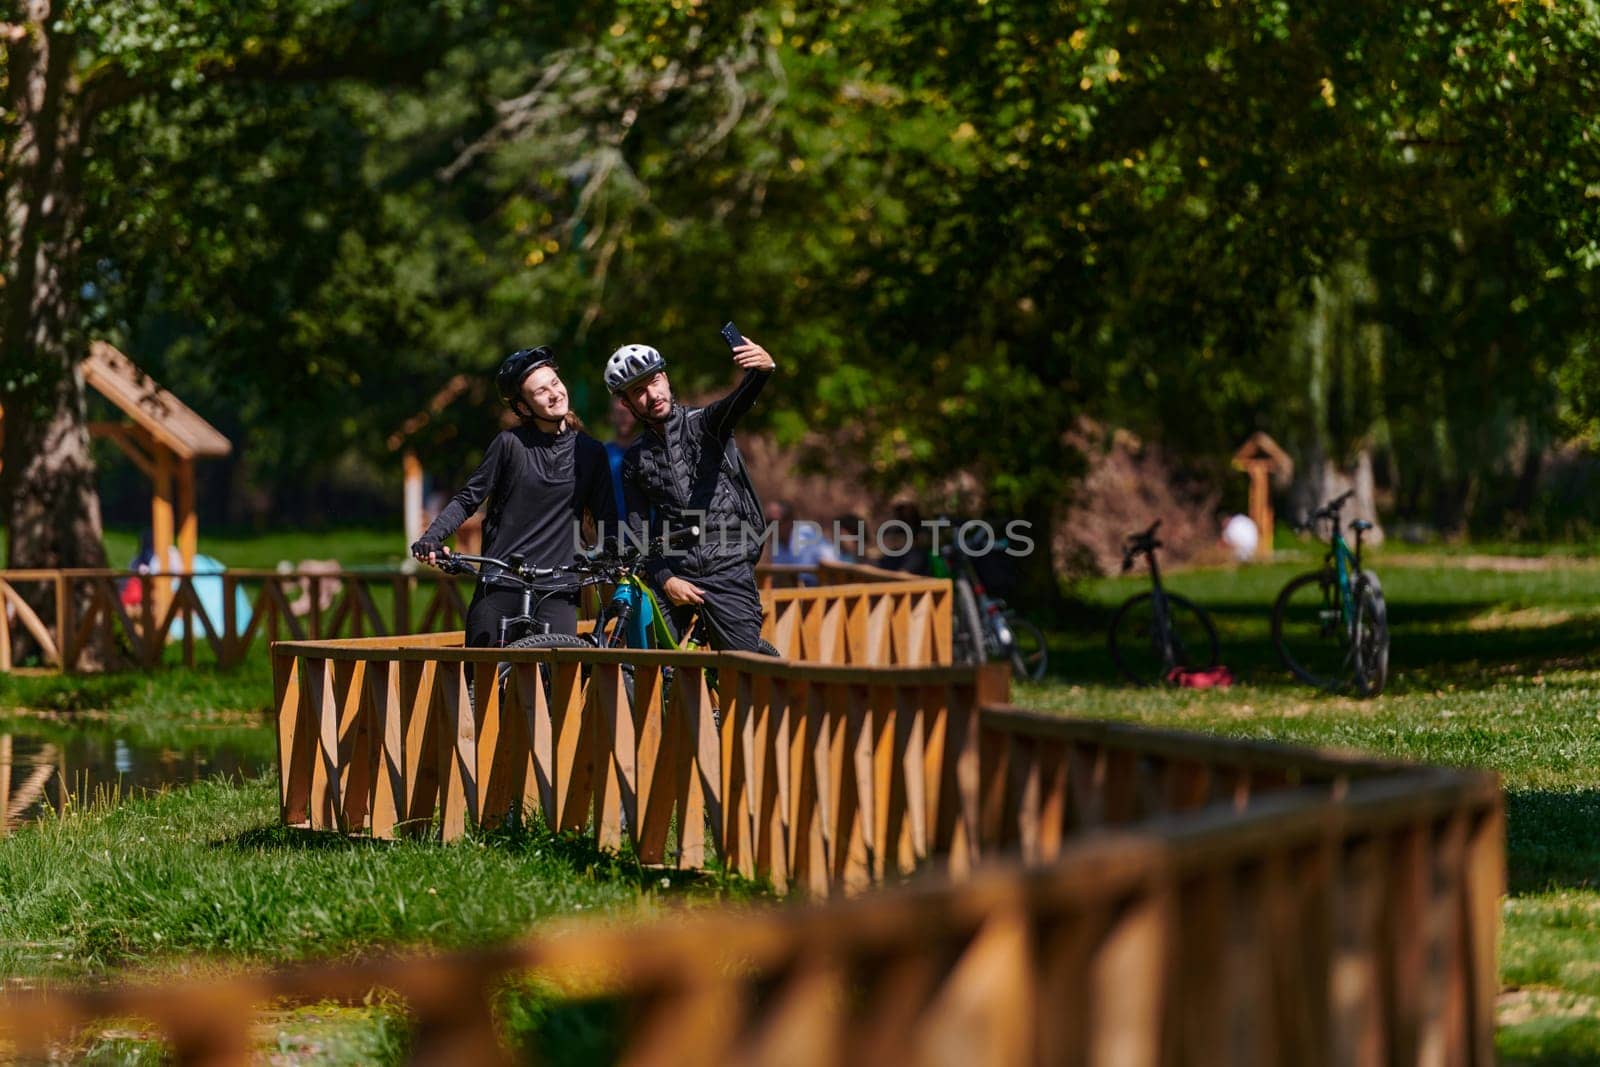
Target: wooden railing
[
  {"x": 856, "y": 614},
  {"x": 899, "y": 622},
  {"x": 824, "y": 777},
  {"x": 1318, "y": 925},
  {"x": 86, "y": 606},
  {"x": 1089, "y": 892},
  {"x": 816, "y": 773}
]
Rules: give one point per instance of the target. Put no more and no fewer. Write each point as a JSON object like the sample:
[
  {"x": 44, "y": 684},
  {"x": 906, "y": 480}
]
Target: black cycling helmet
[{"x": 514, "y": 370}]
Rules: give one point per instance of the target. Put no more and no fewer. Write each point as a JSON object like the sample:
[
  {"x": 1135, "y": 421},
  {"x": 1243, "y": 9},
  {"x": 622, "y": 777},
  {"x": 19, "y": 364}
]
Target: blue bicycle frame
[
  {"x": 1344, "y": 561},
  {"x": 642, "y": 617}
]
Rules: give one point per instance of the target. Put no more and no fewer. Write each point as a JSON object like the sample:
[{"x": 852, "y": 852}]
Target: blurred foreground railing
[{"x": 1349, "y": 919}]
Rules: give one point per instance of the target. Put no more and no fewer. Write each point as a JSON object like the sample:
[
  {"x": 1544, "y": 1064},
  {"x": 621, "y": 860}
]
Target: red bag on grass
[{"x": 1218, "y": 677}]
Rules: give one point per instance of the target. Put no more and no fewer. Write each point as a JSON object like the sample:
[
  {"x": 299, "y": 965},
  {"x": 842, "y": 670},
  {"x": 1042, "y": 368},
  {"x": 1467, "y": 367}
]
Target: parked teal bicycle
[{"x": 1331, "y": 626}]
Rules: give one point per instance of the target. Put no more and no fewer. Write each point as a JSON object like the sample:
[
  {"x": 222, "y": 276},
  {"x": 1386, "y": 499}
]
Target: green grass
[
  {"x": 205, "y": 870},
  {"x": 151, "y": 884}
]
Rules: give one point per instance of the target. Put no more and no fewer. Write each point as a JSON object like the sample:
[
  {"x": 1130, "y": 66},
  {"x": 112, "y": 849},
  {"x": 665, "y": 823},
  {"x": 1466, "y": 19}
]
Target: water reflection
[{"x": 37, "y": 773}]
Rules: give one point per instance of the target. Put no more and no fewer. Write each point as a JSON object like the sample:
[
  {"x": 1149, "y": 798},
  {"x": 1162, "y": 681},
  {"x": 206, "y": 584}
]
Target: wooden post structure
[
  {"x": 188, "y": 524},
  {"x": 161, "y": 529},
  {"x": 413, "y": 496},
  {"x": 1262, "y": 459},
  {"x": 164, "y": 439}
]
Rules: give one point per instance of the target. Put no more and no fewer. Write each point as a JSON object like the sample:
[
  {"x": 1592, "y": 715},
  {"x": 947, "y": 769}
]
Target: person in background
[
  {"x": 625, "y": 430},
  {"x": 914, "y": 557},
  {"x": 801, "y": 544},
  {"x": 850, "y": 538}
]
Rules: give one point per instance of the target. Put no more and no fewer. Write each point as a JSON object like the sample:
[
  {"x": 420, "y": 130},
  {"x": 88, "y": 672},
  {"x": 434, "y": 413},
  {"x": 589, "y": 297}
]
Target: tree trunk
[
  {"x": 52, "y": 508},
  {"x": 1038, "y": 579}
]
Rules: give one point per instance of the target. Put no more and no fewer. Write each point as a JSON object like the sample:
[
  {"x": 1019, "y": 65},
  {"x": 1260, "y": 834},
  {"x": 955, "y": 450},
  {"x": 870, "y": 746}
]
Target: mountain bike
[
  {"x": 985, "y": 628},
  {"x": 1331, "y": 626},
  {"x": 1156, "y": 634}
]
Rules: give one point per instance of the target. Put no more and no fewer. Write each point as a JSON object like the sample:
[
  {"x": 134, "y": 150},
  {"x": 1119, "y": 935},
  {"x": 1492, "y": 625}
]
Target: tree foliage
[{"x": 960, "y": 226}]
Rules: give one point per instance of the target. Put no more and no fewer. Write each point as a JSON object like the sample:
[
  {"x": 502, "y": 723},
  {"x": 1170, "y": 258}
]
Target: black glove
[{"x": 427, "y": 546}]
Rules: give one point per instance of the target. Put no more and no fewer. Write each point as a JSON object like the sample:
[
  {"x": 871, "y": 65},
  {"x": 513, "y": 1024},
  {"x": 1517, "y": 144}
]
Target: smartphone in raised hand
[{"x": 731, "y": 334}]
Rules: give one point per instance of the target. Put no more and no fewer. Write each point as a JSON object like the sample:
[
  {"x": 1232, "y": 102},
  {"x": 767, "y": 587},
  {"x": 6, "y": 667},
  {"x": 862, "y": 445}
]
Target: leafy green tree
[{"x": 82, "y": 76}]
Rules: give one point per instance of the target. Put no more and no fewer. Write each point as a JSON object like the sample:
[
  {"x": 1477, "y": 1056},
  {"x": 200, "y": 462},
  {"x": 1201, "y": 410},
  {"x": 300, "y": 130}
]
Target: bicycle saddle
[{"x": 1361, "y": 525}]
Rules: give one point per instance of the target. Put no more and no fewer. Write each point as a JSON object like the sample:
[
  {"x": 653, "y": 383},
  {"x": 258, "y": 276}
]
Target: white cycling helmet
[{"x": 632, "y": 363}]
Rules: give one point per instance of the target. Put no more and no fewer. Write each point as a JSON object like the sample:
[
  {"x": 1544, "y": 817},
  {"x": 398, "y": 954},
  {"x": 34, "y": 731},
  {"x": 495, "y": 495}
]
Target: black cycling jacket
[
  {"x": 685, "y": 471},
  {"x": 538, "y": 486}
]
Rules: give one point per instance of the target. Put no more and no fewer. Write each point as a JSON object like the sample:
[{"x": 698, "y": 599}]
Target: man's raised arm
[{"x": 723, "y": 415}]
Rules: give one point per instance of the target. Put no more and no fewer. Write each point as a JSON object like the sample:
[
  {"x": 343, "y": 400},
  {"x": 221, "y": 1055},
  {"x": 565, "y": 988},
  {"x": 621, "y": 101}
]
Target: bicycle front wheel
[
  {"x": 968, "y": 647},
  {"x": 562, "y": 641},
  {"x": 1146, "y": 647},
  {"x": 1029, "y": 653},
  {"x": 1310, "y": 631}
]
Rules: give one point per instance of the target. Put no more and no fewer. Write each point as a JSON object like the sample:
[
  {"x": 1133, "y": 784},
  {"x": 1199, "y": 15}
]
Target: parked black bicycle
[
  {"x": 1331, "y": 625},
  {"x": 1157, "y": 633},
  {"x": 985, "y": 629}
]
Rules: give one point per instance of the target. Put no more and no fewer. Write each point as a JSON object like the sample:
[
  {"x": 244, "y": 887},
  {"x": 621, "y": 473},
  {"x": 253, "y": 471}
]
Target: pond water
[{"x": 39, "y": 772}]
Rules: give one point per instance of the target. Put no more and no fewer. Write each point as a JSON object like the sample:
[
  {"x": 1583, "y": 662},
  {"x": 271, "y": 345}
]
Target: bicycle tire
[
  {"x": 1309, "y": 632},
  {"x": 1029, "y": 652},
  {"x": 967, "y": 647},
  {"x": 1372, "y": 636},
  {"x": 565, "y": 641},
  {"x": 1199, "y": 652}
]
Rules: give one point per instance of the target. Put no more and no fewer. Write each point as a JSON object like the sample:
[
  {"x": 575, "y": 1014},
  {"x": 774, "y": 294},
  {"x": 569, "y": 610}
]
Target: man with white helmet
[{"x": 685, "y": 470}]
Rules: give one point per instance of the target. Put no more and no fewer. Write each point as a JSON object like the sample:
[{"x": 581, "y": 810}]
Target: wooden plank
[
  {"x": 318, "y": 678},
  {"x": 31, "y": 622},
  {"x": 656, "y": 759},
  {"x": 573, "y": 770},
  {"x": 188, "y": 523},
  {"x": 1485, "y": 879},
  {"x": 169, "y": 421},
  {"x": 736, "y": 836},
  {"x": 456, "y": 755},
  {"x": 807, "y": 855},
  {"x": 1359, "y": 1033},
  {"x": 1128, "y": 987},
  {"x": 774, "y": 731},
  {"x": 161, "y": 523},
  {"x": 616, "y": 780},
  {"x": 296, "y": 740},
  {"x": 356, "y": 772},
  {"x": 496, "y": 733},
  {"x": 422, "y": 714},
  {"x": 64, "y": 608},
  {"x": 984, "y": 1012},
  {"x": 388, "y": 789}
]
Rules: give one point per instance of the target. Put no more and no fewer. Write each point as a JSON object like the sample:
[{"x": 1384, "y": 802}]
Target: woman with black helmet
[{"x": 539, "y": 478}]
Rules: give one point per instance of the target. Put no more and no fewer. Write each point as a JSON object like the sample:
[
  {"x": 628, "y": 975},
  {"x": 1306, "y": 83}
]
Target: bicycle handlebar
[
  {"x": 1136, "y": 544},
  {"x": 1330, "y": 510},
  {"x": 630, "y": 555},
  {"x": 462, "y": 563}
]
